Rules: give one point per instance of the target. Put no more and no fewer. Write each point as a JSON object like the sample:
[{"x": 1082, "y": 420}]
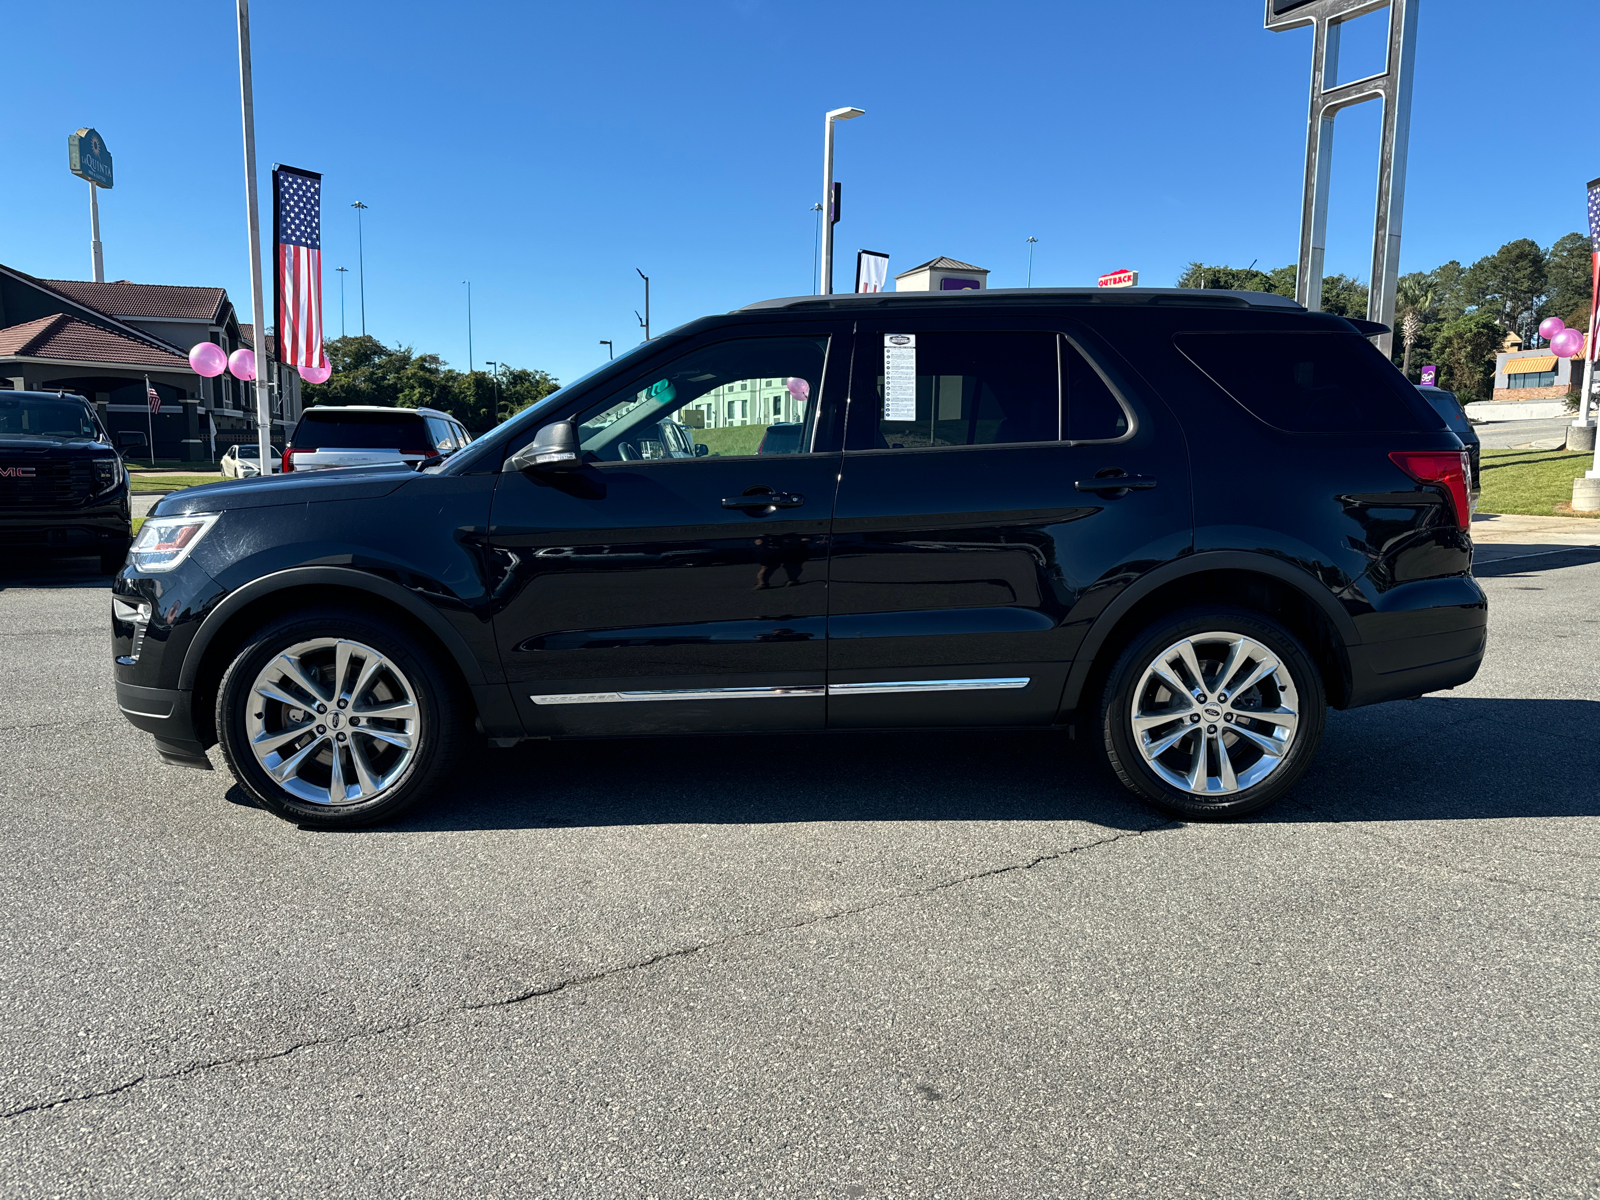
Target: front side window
[
  {"x": 674, "y": 412},
  {"x": 959, "y": 389}
]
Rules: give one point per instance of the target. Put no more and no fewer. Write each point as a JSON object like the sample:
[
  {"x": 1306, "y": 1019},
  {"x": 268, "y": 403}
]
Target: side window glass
[
  {"x": 440, "y": 434},
  {"x": 960, "y": 389},
  {"x": 1093, "y": 411},
  {"x": 747, "y": 396},
  {"x": 1310, "y": 382}
]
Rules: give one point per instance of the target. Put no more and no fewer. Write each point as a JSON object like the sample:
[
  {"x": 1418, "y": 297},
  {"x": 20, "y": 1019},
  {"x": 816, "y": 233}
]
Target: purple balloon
[
  {"x": 316, "y": 374},
  {"x": 1567, "y": 344},
  {"x": 1550, "y": 326},
  {"x": 243, "y": 364},
  {"x": 208, "y": 359}
]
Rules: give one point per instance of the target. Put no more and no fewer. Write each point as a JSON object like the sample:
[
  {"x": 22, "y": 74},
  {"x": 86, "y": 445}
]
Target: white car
[
  {"x": 241, "y": 462},
  {"x": 359, "y": 435}
]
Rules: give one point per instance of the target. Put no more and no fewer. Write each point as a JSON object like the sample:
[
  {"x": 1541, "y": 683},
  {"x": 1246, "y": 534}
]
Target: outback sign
[
  {"x": 88, "y": 157},
  {"x": 1120, "y": 278}
]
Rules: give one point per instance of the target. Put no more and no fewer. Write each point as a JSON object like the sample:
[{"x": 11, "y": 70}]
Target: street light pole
[
  {"x": 1031, "y": 241},
  {"x": 343, "y": 271},
  {"x": 253, "y": 220},
  {"x": 828, "y": 215},
  {"x": 610, "y": 349},
  {"x": 468, "y": 282},
  {"x": 816, "y": 252},
  {"x": 495, "y": 375},
  {"x": 644, "y": 320},
  {"x": 361, "y": 255}
]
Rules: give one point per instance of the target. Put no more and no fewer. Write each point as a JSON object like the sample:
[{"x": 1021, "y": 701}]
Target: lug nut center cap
[
  {"x": 335, "y": 720},
  {"x": 1213, "y": 713}
]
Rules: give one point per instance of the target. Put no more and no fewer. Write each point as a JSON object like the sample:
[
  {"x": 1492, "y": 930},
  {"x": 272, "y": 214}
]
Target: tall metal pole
[
  {"x": 468, "y": 282},
  {"x": 258, "y": 305},
  {"x": 645, "y": 320},
  {"x": 343, "y": 271},
  {"x": 1031, "y": 241},
  {"x": 828, "y": 215},
  {"x": 97, "y": 261},
  {"x": 816, "y": 252},
  {"x": 361, "y": 263}
]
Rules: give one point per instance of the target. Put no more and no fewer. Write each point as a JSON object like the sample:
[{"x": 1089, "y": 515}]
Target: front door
[
  {"x": 678, "y": 580},
  {"x": 979, "y": 523}
]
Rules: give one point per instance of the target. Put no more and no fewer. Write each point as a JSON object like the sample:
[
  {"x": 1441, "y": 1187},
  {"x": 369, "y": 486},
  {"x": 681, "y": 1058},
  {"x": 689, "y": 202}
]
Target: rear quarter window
[
  {"x": 1311, "y": 382},
  {"x": 402, "y": 431}
]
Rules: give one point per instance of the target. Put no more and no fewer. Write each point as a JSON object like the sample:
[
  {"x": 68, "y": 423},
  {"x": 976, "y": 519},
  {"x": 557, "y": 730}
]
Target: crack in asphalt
[{"x": 245, "y": 1060}]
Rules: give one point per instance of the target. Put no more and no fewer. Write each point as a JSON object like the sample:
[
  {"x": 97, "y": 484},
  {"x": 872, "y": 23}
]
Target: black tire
[
  {"x": 1214, "y": 721},
  {"x": 442, "y": 716}
]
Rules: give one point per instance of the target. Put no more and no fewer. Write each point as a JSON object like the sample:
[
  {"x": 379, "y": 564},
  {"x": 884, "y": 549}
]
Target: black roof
[{"x": 1008, "y": 297}]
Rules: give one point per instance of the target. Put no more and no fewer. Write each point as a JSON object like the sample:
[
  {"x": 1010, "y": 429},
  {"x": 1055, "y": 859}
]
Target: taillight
[
  {"x": 1446, "y": 468},
  {"x": 288, "y": 459}
]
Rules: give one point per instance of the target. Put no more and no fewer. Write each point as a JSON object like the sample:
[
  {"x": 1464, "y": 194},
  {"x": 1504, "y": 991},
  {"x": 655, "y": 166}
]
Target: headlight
[
  {"x": 164, "y": 542},
  {"x": 107, "y": 474}
]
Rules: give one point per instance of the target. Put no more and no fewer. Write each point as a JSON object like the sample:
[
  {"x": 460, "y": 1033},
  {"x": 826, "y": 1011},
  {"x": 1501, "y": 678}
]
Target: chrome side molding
[{"x": 781, "y": 693}]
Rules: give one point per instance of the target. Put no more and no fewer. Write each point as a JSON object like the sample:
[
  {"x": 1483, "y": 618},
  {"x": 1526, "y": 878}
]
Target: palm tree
[
  {"x": 1410, "y": 328},
  {"x": 1414, "y": 301}
]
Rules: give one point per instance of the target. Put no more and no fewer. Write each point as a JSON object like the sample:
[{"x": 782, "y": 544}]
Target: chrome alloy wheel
[
  {"x": 1215, "y": 713},
  {"x": 333, "y": 721}
]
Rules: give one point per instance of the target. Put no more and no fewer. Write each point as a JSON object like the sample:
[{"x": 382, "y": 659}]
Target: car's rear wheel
[
  {"x": 1212, "y": 713},
  {"x": 338, "y": 718}
]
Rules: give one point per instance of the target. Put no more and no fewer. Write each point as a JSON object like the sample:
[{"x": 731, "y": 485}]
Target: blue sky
[{"x": 546, "y": 150}]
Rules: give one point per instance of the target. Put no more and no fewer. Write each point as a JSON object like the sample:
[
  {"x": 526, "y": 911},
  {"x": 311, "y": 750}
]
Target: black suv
[
  {"x": 62, "y": 486},
  {"x": 1183, "y": 522}
]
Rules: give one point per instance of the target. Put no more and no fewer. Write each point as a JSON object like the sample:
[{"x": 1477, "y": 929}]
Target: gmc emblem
[{"x": 17, "y": 472}]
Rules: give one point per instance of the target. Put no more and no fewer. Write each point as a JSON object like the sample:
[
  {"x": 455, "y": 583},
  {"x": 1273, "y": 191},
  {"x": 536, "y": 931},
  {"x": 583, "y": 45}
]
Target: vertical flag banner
[
  {"x": 872, "y": 271},
  {"x": 297, "y": 267},
  {"x": 1594, "y": 276}
]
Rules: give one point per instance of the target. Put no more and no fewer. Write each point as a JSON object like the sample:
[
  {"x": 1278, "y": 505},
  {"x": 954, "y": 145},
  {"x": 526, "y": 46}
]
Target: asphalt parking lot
[{"x": 818, "y": 966}]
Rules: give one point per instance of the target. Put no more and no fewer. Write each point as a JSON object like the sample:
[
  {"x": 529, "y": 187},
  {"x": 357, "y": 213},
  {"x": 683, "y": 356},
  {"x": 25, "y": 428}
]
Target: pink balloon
[
  {"x": 1567, "y": 344},
  {"x": 243, "y": 364},
  {"x": 1550, "y": 326},
  {"x": 316, "y": 374},
  {"x": 208, "y": 359},
  {"x": 799, "y": 388}
]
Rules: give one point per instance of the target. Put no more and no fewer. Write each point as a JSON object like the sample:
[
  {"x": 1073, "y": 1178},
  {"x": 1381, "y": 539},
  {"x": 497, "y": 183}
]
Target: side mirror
[
  {"x": 701, "y": 451},
  {"x": 554, "y": 449}
]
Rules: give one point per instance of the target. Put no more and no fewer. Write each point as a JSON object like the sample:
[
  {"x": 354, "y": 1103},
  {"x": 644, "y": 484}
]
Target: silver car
[{"x": 359, "y": 435}]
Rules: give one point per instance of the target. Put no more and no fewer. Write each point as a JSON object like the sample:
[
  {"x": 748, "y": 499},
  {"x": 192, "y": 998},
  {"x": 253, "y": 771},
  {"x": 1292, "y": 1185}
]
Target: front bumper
[
  {"x": 71, "y": 532},
  {"x": 164, "y": 713}
]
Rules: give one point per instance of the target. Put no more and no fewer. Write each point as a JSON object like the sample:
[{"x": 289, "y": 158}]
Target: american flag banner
[
  {"x": 297, "y": 265},
  {"x": 1594, "y": 278},
  {"x": 153, "y": 396}
]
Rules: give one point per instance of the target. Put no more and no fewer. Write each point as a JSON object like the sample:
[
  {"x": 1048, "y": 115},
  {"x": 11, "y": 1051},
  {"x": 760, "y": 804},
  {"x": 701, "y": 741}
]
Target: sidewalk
[{"x": 1489, "y": 529}]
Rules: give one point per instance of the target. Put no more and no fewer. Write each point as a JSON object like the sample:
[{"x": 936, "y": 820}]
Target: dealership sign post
[
  {"x": 89, "y": 160},
  {"x": 1120, "y": 278}
]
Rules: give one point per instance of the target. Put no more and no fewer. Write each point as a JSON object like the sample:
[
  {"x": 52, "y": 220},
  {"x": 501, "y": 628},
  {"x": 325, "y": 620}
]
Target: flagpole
[
  {"x": 253, "y": 216},
  {"x": 150, "y": 422}
]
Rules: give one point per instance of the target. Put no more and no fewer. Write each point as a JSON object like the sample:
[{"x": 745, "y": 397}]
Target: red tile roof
[
  {"x": 247, "y": 336},
  {"x": 148, "y": 300},
  {"x": 67, "y": 338}
]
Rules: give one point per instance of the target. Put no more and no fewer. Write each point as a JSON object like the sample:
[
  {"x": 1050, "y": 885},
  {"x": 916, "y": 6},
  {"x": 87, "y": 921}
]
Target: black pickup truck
[{"x": 63, "y": 489}]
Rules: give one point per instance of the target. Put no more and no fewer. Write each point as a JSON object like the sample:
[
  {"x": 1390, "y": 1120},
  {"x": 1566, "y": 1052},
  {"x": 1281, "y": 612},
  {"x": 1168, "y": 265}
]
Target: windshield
[{"x": 46, "y": 417}]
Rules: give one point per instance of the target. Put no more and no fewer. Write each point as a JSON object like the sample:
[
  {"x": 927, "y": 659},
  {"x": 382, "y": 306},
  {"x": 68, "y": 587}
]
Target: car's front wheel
[
  {"x": 338, "y": 718},
  {"x": 1212, "y": 713}
]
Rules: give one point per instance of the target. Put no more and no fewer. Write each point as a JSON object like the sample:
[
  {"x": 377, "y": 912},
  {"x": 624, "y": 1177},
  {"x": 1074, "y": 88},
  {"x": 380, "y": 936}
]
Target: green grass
[
  {"x": 1531, "y": 482},
  {"x": 736, "y": 439},
  {"x": 153, "y": 485}
]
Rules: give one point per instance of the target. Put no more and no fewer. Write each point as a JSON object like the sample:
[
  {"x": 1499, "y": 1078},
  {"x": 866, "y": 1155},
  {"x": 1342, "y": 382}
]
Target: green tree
[
  {"x": 365, "y": 371},
  {"x": 1568, "y": 265},
  {"x": 1510, "y": 285},
  {"x": 1466, "y": 348}
]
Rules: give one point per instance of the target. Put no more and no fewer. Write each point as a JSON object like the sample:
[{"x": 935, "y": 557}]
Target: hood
[
  {"x": 272, "y": 491},
  {"x": 26, "y": 444}
]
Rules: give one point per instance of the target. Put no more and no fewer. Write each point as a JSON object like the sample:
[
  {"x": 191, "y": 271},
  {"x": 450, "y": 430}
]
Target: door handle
[
  {"x": 1116, "y": 483},
  {"x": 765, "y": 499}
]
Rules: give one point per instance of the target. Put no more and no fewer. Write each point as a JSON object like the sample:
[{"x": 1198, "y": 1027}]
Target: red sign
[{"x": 1120, "y": 278}]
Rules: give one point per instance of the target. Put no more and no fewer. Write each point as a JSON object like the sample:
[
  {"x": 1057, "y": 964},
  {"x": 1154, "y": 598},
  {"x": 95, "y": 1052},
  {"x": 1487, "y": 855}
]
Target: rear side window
[
  {"x": 1094, "y": 414},
  {"x": 961, "y": 389},
  {"x": 330, "y": 429},
  {"x": 1310, "y": 382}
]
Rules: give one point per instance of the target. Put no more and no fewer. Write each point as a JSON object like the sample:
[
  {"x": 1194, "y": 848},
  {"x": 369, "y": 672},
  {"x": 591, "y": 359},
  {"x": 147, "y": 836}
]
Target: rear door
[
  {"x": 678, "y": 580},
  {"x": 1002, "y": 480}
]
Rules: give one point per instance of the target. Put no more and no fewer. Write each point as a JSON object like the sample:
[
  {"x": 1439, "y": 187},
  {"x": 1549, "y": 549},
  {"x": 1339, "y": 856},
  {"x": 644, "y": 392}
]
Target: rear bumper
[
  {"x": 1427, "y": 636},
  {"x": 165, "y": 714}
]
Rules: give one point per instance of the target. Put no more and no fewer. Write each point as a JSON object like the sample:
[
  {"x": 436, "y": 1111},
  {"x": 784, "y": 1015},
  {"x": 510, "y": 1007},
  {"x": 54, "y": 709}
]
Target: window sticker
[
  {"x": 899, "y": 377},
  {"x": 662, "y": 391}
]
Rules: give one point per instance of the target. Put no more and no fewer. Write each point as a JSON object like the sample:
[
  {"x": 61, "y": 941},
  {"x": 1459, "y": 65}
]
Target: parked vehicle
[
  {"x": 1181, "y": 523},
  {"x": 364, "y": 435},
  {"x": 1448, "y": 405},
  {"x": 63, "y": 489},
  {"x": 242, "y": 461}
]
